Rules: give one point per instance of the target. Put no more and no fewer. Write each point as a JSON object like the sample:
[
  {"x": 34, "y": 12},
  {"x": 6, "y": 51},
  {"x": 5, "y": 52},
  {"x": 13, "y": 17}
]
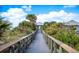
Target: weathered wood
[
  {"x": 60, "y": 49},
  {"x": 54, "y": 46},
  {"x": 16, "y": 45},
  {"x": 38, "y": 45},
  {"x": 61, "y": 45}
]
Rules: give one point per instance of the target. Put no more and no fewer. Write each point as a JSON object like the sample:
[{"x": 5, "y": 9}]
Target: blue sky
[
  {"x": 37, "y": 9},
  {"x": 45, "y": 13}
]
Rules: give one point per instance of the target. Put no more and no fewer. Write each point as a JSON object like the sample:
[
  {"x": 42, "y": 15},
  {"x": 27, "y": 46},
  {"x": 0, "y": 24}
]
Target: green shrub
[{"x": 67, "y": 36}]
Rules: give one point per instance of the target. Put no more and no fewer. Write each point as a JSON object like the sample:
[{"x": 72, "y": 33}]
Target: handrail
[
  {"x": 9, "y": 44},
  {"x": 60, "y": 44}
]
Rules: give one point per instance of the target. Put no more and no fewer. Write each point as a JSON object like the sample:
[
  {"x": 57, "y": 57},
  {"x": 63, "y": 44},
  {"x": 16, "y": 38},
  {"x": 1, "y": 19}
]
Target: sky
[{"x": 45, "y": 13}]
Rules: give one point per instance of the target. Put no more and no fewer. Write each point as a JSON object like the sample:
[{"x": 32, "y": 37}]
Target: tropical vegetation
[
  {"x": 7, "y": 33},
  {"x": 62, "y": 33}
]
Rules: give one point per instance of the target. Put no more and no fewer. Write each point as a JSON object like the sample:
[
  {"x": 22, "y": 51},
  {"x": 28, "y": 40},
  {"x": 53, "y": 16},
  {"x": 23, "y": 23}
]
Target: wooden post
[
  {"x": 23, "y": 48},
  {"x": 47, "y": 40},
  {"x": 19, "y": 47},
  {"x": 54, "y": 46},
  {"x": 49, "y": 43},
  {"x": 26, "y": 41},
  {"x": 11, "y": 49},
  {"x": 60, "y": 49},
  {"x": 51, "y": 46}
]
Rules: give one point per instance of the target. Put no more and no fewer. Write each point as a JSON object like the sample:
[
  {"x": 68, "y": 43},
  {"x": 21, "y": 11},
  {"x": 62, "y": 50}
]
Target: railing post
[
  {"x": 11, "y": 49},
  {"x": 46, "y": 38},
  {"x": 26, "y": 42},
  {"x": 51, "y": 46},
  {"x": 49, "y": 42},
  {"x": 31, "y": 37},
  {"x": 54, "y": 46},
  {"x": 19, "y": 47},
  {"x": 60, "y": 49},
  {"x": 23, "y": 47}
]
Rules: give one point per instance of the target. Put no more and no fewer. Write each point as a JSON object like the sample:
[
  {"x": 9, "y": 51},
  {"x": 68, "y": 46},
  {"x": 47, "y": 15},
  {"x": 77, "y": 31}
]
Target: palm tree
[
  {"x": 4, "y": 25},
  {"x": 31, "y": 17},
  {"x": 24, "y": 25}
]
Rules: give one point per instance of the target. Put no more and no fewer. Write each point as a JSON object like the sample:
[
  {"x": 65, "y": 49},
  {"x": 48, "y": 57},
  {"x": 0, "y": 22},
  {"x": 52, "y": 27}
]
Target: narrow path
[{"x": 38, "y": 45}]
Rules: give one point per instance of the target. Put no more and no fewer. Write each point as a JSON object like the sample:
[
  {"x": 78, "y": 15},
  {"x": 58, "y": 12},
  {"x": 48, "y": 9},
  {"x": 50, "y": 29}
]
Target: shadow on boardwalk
[{"x": 38, "y": 45}]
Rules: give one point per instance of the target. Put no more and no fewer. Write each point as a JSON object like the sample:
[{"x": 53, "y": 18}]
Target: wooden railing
[
  {"x": 17, "y": 46},
  {"x": 57, "y": 46}
]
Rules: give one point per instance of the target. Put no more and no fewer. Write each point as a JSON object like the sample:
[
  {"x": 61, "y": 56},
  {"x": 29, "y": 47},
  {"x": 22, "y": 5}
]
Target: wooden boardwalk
[{"x": 38, "y": 45}]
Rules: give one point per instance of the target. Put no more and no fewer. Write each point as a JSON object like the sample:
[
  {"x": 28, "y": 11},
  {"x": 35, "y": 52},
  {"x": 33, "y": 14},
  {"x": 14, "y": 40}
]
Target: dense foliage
[
  {"x": 62, "y": 33},
  {"x": 31, "y": 17},
  {"x": 24, "y": 28}
]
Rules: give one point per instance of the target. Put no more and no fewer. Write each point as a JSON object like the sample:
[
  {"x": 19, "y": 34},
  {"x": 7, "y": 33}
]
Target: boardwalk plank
[{"x": 38, "y": 45}]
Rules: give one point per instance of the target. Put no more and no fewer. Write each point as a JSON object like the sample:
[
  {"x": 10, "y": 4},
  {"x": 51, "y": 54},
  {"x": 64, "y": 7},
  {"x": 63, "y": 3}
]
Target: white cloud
[
  {"x": 59, "y": 16},
  {"x": 27, "y": 8},
  {"x": 69, "y": 6},
  {"x": 17, "y": 15},
  {"x": 14, "y": 15}
]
